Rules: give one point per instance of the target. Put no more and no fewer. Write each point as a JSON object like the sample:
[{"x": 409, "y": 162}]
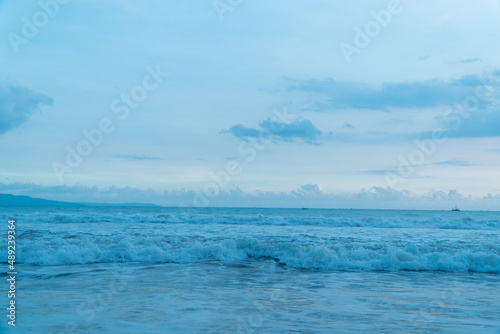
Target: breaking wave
[{"x": 299, "y": 251}]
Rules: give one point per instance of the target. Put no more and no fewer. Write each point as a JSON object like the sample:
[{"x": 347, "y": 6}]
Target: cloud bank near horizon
[{"x": 308, "y": 195}]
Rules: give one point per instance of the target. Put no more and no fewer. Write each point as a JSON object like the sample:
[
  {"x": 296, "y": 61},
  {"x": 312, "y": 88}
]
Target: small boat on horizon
[{"x": 455, "y": 208}]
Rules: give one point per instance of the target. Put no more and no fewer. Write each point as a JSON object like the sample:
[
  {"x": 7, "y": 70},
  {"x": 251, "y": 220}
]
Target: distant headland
[{"x": 13, "y": 200}]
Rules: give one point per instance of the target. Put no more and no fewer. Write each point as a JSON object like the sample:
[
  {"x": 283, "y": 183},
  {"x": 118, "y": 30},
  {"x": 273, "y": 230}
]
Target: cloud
[
  {"x": 298, "y": 130},
  {"x": 451, "y": 162},
  {"x": 309, "y": 190},
  {"x": 348, "y": 126},
  {"x": 137, "y": 157},
  {"x": 376, "y": 172},
  {"x": 470, "y": 60},
  {"x": 466, "y": 61},
  {"x": 17, "y": 104},
  {"x": 475, "y": 115},
  {"x": 454, "y": 162},
  {"x": 482, "y": 123},
  {"x": 241, "y": 131},
  {"x": 417, "y": 94}
]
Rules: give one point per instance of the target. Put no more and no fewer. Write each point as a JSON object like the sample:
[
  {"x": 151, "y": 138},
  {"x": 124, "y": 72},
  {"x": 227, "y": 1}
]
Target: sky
[{"x": 379, "y": 104}]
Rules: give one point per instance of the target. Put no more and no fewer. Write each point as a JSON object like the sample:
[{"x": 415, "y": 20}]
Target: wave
[
  {"x": 477, "y": 221},
  {"x": 350, "y": 240},
  {"x": 295, "y": 251}
]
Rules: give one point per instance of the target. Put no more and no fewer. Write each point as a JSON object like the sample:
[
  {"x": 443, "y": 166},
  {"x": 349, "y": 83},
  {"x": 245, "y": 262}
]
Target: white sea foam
[
  {"x": 374, "y": 249},
  {"x": 323, "y": 239}
]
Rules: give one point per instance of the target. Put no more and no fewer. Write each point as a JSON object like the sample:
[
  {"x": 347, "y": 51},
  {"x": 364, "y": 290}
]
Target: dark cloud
[
  {"x": 298, "y": 130},
  {"x": 17, "y": 104},
  {"x": 241, "y": 131},
  {"x": 417, "y": 94}
]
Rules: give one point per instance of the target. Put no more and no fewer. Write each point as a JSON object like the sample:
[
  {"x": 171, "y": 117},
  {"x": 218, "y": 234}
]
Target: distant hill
[
  {"x": 13, "y": 200},
  {"x": 122, "y": 204}
]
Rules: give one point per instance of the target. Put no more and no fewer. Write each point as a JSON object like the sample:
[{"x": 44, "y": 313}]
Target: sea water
[{"x": 233, "y": 270}]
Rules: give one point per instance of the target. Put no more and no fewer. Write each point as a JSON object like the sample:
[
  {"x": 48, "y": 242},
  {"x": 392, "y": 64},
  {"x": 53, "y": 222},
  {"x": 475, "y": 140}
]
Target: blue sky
[{"x": 252, "y": 103}]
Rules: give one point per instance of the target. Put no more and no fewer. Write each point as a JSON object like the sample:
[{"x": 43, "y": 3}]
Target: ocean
[{"x": 242, "y": 270}]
